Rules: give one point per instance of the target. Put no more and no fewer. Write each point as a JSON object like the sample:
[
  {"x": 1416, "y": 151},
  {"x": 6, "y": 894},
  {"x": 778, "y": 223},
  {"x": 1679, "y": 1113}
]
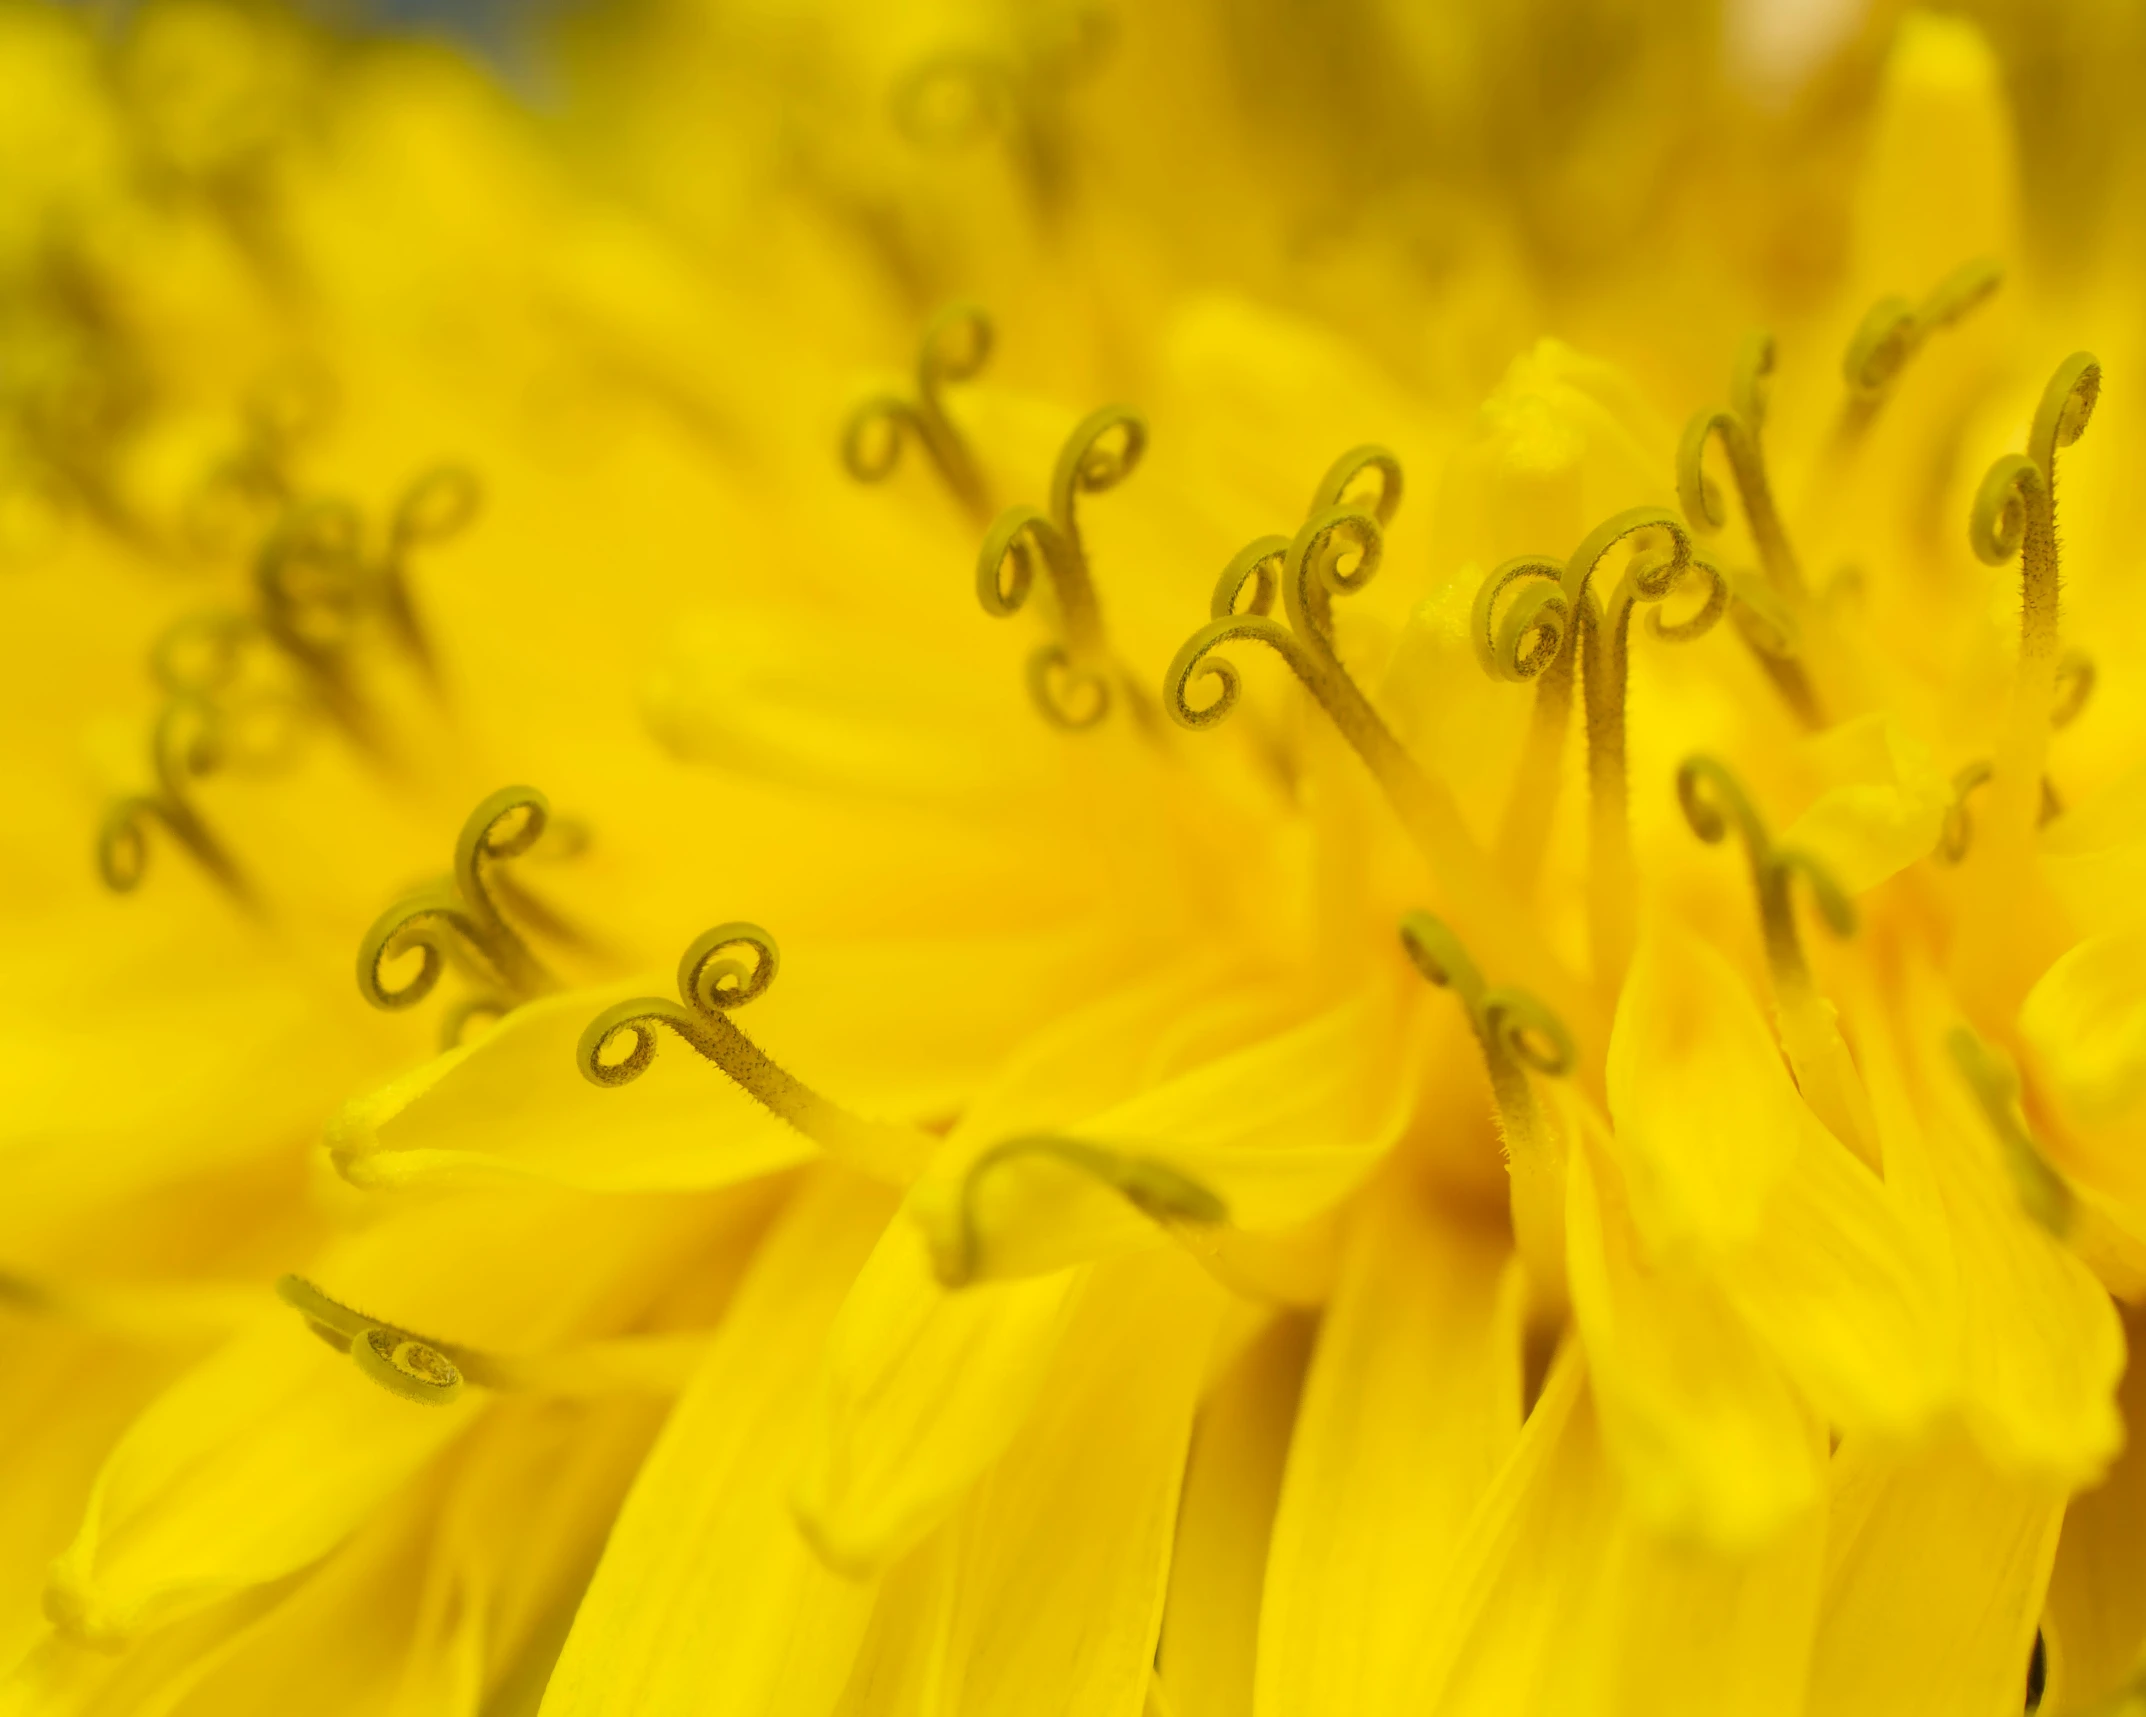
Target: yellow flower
[{"x": 1127, "y": 949}]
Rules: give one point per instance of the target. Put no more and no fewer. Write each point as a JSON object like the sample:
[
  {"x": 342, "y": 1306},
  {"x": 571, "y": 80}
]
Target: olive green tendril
[
  {"x": 1337, "y": 552},
  {"x": 188, "y": 742},
  {"x": 1714, "y": 801},
  {"x": 458, "y": 921},
  {"x": 433, "y": 1373},
  {"x": 1538, "y": 619},
  {"x": 2044, "y": 1193},
  {"x": 2015, "y": 510},
  {"x": 2072, "y": 689},
  {"x": 1893, "y": 331},
  {"x": 311, "y": 588},
  {"x": 438, "y": 505},
  {"x": 960, "y": 98},
  {"x": 1772, "y": 629},
  {"x": 1738, "y": 426},
  {"x": 1070, "y": 677},
  {"x": 1957, "y": 834},
  {"x": 415, "y": 1367},
  {"x": 1518, "y": 1034},
  {"x": 217, "y": 715},
  {"x": 281, "y": 412},
  {"x": 722, "y": 970},
  {"x": 2015, "y": 513},
  {"x": 2076, "y": 677},
  {"x": 955, "y": 347},
  {"x": 1155, "y": 1189}
]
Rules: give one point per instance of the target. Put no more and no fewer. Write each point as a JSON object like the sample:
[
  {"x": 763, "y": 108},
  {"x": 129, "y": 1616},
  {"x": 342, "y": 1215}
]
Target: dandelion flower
[{"x": 1198, "y": 862}]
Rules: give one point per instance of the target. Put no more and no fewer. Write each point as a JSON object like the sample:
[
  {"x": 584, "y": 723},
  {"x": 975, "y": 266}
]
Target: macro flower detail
[{"x": 1419, "y": 1125}]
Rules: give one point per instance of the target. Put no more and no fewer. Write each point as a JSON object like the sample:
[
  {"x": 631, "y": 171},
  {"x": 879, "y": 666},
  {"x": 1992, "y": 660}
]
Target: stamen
[
  {"x": 1534, "y": 620},
  {"x": 955, "y": 347},
  {"x": 252, "y": 483},
  {"x": 438, "y": 505},
  {"x": 1338, "y": 551},
  {"x": 1892, "y": 332},
  {"x": 2015, "y": 513},
  {"x": 432, "y": 1373},
  {"x": 415, "y": 1367},
  {"x": 1958, "y": 832},
  {"x": 1070, "y": 677},
  {"x": 1519, "y": 1036},
  {"x": 711, "y": 982},
  {"x": 1151, "y": 1186},
  {"x": 959, "y": 97},
  {"x": 458, "y": 920},
  {"x": 212, "y": 719},
  {"x": 2076, "y": 678},
  {"x": 310, "y": 580},
  {"x": 187, "y": 744},
  {"x": 1713, "y": 799},
  {"x": 1738, "y": 427},
  {"x": 2044, "y": 1193}
]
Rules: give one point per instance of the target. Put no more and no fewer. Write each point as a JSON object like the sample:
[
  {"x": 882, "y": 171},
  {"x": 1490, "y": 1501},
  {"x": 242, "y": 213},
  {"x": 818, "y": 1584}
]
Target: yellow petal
[
  {"x": 273, "y": 1449},
  {"x": 2042, "y": 1345},
  {"x": 2096, "y": 1619},
  {"x": 1882, "y": 803},
  {"x": 1724, "y": 1161},
  {"x": 1839, "y": 1284},
  {"x": 1233, "y": 1480},
  {"x": 514, "y": 1104},
  {"x": 452, "y": 1592},
  {"x": 921, "y": 1389},
  {"x": 1940, "y": 182},
  {"x": 707, "y": 1599},
  {"x": 1699, "y": 1418},
  {"x": 1043, "y": 1593},
  {"x": 1565, "y": 1603},
  {"x": 1412, "y": 1400},
  {"x": 1935, "y": 1566},
  {"x": 1708, "y": 1123},
  {"x": 255, "y": 1463},
  {"x": 2085, "y": 1020},
  {"x": 1279, "y": 1131}
]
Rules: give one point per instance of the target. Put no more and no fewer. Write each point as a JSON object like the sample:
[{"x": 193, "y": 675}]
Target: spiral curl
[
  {"x": 1344, "y": 483},
  {"x": 1166, "y": 1195},
  {"x": 1520, "y": 641},
  {"x": 201, "y": 654},
  {"x": 1260, "y": 564},
  {"x": 457, "y": 920},
  {"x": 1509, "y": 1023},
  {"x": 1714, "y": 801},
  {"x": 1893, "y": 330},
  {"x": 310, "y": 580},
  {"x": 437, "y": 506},
  {"x": 711, "y": 982},
  {"x": 188, "y": 743},
  {"x": 1067, "y": 678},
  {"x": 1337, "y": 551},
  {"x": 2015, "y": 508},
  {"x": 412, "y": 1367},
  {"x": 955, "y": 346}
]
